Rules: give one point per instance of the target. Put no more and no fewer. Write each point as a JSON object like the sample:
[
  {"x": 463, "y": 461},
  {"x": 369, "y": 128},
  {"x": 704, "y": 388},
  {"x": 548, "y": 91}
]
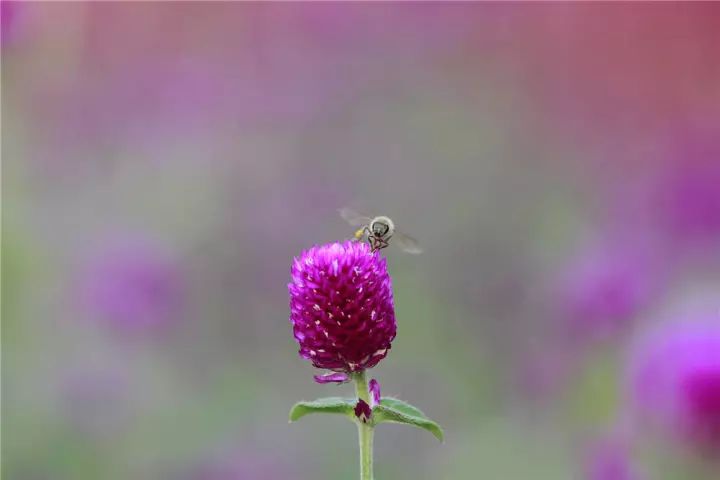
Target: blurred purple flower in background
[
  {"x": 609, "y": 459},
  {"x": 674, "y": 382},
  {"x": 341, "y": 306},
  {"x": 8, "y": 20},
  {"x": 133, "y": 284},
  {"x": 688, "y": 202},
  {"x": 605, "y": 288}
]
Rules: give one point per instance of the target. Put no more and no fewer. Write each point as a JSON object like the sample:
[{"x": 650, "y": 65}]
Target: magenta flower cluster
[{"x": 341, "y": 308}]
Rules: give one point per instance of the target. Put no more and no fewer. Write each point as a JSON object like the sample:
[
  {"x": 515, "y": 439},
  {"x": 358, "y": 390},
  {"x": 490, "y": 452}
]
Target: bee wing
[
  {"x": 354, "y": 218},
  {"x": 407, "y": 243}
]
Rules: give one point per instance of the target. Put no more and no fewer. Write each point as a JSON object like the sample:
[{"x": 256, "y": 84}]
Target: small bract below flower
[
  {"x": 363, "y": 411},
  {"x": 374, "y": 392},
  {"x": 341, "y": 307},
  {"x": 332, "y": 378}
]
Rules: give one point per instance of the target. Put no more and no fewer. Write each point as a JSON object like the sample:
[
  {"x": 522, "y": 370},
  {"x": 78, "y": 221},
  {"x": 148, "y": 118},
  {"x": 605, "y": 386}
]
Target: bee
[{"x": 378, "y": 231}]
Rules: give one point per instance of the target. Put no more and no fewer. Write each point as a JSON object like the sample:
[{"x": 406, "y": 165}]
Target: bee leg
[
  {"x": 370, "y": 238},
  {"x": 381, "y": 243}
]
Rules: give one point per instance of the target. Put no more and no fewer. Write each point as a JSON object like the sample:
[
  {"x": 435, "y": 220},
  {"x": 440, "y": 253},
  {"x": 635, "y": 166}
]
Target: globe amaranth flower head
[
  {"x": 674, "y": 382},
  {"x": 341, "y": 308}
]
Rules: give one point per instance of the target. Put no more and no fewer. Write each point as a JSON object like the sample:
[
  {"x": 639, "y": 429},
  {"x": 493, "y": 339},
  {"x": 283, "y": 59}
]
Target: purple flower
[
  {"x": 133, "y": 284},
  {"x": 341, "y": 306},
  {"x": 674, "y": 382},
  {"x": 605, "y": 288}
]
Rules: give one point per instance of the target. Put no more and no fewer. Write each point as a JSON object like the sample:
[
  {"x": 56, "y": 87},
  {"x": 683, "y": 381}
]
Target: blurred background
[{"x": 164, "y": 162}]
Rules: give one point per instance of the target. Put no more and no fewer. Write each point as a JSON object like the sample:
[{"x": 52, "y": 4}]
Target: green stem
[{"x": 365, "y": 431}]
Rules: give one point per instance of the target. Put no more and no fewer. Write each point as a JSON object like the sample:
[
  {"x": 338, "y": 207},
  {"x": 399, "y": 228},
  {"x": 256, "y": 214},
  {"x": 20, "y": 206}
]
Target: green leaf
[
  {"x": 345, "y": 406},
  {"x": 392, "y": 410},
  {"x": 401, "y": 406}
]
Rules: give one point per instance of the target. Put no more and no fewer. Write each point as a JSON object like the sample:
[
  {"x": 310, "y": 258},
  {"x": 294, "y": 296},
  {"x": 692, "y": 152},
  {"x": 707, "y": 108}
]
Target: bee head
[{"x": 382, "y": 227}]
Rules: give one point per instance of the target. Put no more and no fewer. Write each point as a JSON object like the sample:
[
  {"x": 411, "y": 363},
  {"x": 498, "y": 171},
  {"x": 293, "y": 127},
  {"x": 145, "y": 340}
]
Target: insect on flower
[{"x": 378, "y": 231}]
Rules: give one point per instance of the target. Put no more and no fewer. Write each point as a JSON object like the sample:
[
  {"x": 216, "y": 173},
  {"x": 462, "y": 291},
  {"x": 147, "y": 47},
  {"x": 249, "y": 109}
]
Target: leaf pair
[{"x": 390, "y": 410}]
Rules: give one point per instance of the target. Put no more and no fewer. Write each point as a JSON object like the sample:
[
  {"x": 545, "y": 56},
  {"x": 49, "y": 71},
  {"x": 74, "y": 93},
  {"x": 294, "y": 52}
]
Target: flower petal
[{"x": 334, "y": 377}]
